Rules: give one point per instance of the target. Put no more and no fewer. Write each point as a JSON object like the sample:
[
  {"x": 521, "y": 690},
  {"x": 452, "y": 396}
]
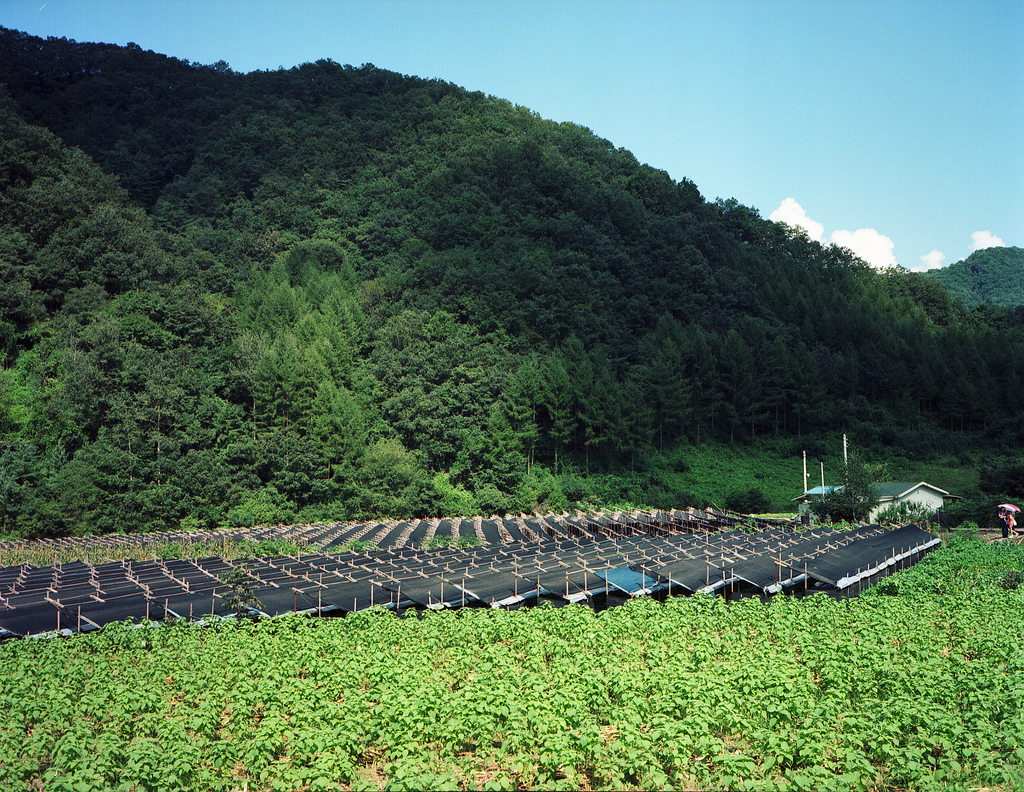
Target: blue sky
[{"x": 895, "y": 128}]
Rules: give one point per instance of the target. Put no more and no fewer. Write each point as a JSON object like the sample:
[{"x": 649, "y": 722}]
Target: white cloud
[
  {"x": 792, "y": 214},
  {"x": 930, "y": 261},
  {"x": 868, "y": 244},
  {"x": 985, "y": 239}
]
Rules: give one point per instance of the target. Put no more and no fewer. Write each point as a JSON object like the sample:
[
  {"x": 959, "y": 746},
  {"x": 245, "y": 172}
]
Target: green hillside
[
  {"x": 333, "y": 292},
  {"x": 994, "y": 275}
]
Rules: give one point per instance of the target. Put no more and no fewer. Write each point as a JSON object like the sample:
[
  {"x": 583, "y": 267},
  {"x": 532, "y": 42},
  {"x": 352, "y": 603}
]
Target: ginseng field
[{"x": 917, "y": 684}]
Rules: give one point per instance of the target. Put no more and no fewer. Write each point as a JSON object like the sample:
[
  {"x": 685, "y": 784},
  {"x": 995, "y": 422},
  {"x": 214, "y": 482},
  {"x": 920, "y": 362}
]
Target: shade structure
[
  {"x": 629, "y": 581},
  {"x": 127, "y": 607},
  {"x": 867, "y": 557},
  {"x": 692, "y": 574},
  {"x": 581, "y": 526},
  {"x": 418, "y": 534},
  {"x": 602, "y": 559},
  {"x": 491, "y": 530},
  {"x": 189, "y": 605},
  {"x": 492, "y": 587},
  {"x": 32, "y": 618},
  {"x": 433, "y": 592},
  {"x": 574, "y": 583},
  {"x": 275, "y": 600},
  {"x": 760, "y": 571},
  {"x": 356, "y": 595}
]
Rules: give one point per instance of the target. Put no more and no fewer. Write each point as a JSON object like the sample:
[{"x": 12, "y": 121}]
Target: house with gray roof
[{"x": 891, "y": 493}]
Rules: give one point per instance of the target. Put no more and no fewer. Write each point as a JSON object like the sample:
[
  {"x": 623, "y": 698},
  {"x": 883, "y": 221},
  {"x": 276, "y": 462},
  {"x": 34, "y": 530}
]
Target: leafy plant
[
  {"x": 240, "y": 518},
  {"x": 359, "y": 545},
  {"x": 241, "y": 597},
  {"x": 854, "y": 498},
  {"x": 914, "y": 690},
  {"x": 752, "y": 501},
  {"x": 904, "y": 513},
  {"x": 445, "y": 540}
]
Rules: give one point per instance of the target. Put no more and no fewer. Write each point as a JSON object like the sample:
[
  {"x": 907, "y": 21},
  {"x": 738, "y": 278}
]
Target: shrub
[
  {"x": 852, "y": 501},
  {"x": 573, "y": 487},
  {"x": 452, "y": 500},
  {"x": 265, "y": 506},
  {"x": 492, "y": 500},
  {"x": 1011, "y": 580},
  {"x": 752, "y": 501},
  {"x": 903, "y": 513},
  {"x": 242, "y": 599},
  {"x": 240, "y": 518}
]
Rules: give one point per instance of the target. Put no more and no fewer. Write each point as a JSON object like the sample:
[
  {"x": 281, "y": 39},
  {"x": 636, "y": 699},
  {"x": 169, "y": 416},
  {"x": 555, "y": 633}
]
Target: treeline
[
  {"x": 994, "y": 275},
  {"x": 331, "y": 292}
]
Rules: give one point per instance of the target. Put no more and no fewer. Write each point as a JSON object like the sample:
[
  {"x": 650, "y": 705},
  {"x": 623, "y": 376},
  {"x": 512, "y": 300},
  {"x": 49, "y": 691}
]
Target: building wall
[{"x": 931, "y": 499}]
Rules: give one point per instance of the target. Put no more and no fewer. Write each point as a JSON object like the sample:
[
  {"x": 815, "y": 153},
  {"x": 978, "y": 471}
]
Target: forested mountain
[
  {"x": 335, "y": 292},
  {"x": 994, "y": 275}
]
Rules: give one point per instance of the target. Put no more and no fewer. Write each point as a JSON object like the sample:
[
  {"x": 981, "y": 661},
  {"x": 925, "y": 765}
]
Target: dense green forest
[
  {"x": 994, "y": 275},
  {"x": 333, "y": 292}
]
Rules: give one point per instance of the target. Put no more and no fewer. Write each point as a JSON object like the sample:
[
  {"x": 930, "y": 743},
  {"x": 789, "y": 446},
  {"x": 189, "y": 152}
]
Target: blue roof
[{"x": 818, "y": 490}]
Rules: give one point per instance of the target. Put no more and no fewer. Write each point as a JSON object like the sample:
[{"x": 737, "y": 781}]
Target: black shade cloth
[
  {"x": 32, "y": 619},
  {"x": 357, "y": 596},
  {"x": 588, "y": 556},
  {"x": 431, "y": 592},
  {"x": 845, "y": 565}
]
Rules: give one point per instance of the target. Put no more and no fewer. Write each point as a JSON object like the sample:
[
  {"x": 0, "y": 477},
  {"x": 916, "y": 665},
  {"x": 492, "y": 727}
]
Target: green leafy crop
[{"x": 918, "y": 689}]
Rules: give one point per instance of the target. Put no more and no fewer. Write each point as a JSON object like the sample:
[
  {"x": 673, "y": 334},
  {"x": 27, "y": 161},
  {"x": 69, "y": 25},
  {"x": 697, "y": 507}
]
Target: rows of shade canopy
[
  {"x": 393, "y": 534},
  {"x": 600, "y": 559}
]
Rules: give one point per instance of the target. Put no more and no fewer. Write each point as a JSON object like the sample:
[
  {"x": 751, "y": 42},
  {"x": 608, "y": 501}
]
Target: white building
[{"x": 891, "y": 493}]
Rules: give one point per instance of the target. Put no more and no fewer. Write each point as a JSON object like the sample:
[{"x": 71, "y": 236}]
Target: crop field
[{"x": 918, "y": 684}]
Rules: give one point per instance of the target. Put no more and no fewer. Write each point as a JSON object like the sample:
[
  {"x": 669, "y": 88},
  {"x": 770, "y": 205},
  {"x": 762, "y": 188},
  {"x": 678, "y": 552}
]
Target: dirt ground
[{"x": 996, "y": 535}]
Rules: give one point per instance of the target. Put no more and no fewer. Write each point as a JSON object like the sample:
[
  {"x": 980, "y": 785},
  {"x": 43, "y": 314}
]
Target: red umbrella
[{"x": 1009, "y": 507}]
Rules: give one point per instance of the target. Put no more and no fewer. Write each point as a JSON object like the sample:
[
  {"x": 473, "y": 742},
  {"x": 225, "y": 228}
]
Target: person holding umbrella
[{"x": 1006, "y": 512}]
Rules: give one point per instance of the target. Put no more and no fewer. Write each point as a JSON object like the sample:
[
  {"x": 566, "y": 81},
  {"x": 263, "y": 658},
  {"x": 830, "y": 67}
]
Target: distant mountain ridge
[{"x": 994, "y": 275}]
